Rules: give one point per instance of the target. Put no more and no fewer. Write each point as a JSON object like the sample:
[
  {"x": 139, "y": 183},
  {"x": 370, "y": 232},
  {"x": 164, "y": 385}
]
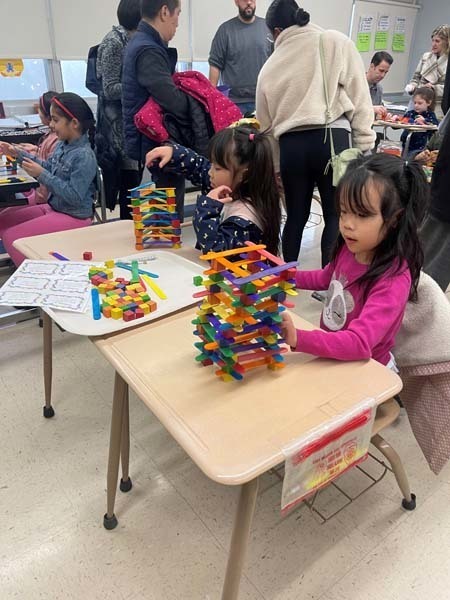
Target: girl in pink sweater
[{"x": 375, "y": 266}]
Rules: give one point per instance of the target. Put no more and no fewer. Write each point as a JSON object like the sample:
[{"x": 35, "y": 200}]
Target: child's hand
[
  {"x": 32, "y": 168},
  {"x": 420, "y": 120},
  {"x": 288, "y": 330},
  {"x": 27, "y": 147},
  {"x": 163, "y": 154},
  {"x": 221, "y": 194},
  {"x": 8, "y": 149}
]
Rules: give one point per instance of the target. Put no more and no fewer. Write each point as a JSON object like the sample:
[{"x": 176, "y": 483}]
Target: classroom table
[
  {"x": 105, "y": 241},
  {"x": 9, "y": 190},
  {"x": 30, "y": 135},
  {"x": 234, "y": 432},
  {"x": 410, "y": 128}
]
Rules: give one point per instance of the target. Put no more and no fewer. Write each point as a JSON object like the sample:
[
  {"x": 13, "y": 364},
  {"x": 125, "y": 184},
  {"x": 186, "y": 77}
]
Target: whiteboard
[{"x": 398, "y": 75}]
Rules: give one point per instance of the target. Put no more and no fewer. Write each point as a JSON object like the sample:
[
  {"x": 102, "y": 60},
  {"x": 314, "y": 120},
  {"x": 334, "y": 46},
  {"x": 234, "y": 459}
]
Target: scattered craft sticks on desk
[
  {"x": 127, "y": 267},
  {"x": 152, "y": 285}
]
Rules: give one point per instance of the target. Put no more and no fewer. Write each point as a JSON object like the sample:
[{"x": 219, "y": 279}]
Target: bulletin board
[{"x": 390, "y": 27}]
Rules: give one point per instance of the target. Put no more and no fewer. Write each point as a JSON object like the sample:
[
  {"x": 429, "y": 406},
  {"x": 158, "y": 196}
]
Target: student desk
[
  {"x": 30, "y": 135},
  {"x": 405, "y": 126},
  {"x": 234, "y": 432},
  {"x": 8, "y": 191},
  {"x": 105, "y": 241}
]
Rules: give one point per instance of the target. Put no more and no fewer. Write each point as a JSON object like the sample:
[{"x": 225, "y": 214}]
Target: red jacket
[{"x": 221, "y": 110}]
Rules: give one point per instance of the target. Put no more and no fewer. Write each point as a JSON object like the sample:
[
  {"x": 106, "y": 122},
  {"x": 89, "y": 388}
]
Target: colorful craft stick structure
[
  {"x": 121, "y": 299},
  {"x": 238, "y": 321},
  {"x": 156, "y": 222}
]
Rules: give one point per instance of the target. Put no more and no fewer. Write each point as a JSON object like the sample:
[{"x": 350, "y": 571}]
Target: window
[
  {"x": 74, "y": 76},
  {"x": 29, "y": 86},
  {"x": 203, "y": 67}
]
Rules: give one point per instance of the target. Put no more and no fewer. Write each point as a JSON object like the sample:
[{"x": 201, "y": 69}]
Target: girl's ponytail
[{"x": 415, "y": 208}]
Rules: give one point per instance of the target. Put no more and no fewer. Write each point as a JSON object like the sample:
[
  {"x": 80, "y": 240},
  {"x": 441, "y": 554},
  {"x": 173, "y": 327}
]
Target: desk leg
[
  {"x": 407, "y": 143},
  {"x": 120, "y": 395},
  {"x": 48, "y": 364},
  {"x": 239, "y": 539},
  {"x": 125, "y": 482}
]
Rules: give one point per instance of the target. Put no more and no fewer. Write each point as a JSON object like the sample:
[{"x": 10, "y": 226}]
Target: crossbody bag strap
[{"x": 327, "y": 100}]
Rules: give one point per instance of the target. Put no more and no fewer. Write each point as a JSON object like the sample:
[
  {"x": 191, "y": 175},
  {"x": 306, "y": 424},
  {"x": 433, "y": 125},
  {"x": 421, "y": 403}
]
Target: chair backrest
[{"x": 100, "y": 198}]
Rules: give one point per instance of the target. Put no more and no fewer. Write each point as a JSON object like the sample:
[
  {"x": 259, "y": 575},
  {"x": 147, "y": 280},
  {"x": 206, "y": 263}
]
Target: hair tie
[
  {"x": 251, "y": 137},
  {"x": 63, "y": 108}
]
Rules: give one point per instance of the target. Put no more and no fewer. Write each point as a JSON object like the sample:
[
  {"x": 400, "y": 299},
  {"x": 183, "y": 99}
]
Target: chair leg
[{"x": 409, "y": 499}]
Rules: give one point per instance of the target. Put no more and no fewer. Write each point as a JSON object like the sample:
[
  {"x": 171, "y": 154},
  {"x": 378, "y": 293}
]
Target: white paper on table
[{"x": 49, "y": 284}]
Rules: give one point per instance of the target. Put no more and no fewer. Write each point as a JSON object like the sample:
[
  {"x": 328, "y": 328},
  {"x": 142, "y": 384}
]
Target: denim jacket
[{"x": 69, "y": 176}]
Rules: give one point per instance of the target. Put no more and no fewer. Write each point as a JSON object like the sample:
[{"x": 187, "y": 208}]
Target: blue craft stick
[
  {"x": 58, "y": 256},
  {"x": 96, "y": 312},
  {"x": 122, "y": 265}
]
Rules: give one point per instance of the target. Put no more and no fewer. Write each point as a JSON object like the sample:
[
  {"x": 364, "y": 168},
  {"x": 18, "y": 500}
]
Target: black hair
[
  {"x": 151, "y": 8},
  {"x": 285, "y": 13},
  {"x": 242, "y": 147},
  {"x": 129, "y": 14},
  {"x": 69, "y": 106},
  {"x": 404, "y": 195},
  {"x": 45, "y": 101},
  {"x": 379, "y": 57},
  {"x": 427, "y": 94}
]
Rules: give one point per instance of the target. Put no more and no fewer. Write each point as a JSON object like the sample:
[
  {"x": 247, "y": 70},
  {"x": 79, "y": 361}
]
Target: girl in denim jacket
[{"x": 69, "y": 176}]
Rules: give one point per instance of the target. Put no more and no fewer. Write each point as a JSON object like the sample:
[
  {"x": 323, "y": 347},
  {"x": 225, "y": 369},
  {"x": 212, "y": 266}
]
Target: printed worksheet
[{"x": 50, "y": 284}]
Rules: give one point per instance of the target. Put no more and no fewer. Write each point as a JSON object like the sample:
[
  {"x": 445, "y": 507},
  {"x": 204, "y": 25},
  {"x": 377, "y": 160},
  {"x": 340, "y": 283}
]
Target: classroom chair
[{"x": 100, "y": 198}]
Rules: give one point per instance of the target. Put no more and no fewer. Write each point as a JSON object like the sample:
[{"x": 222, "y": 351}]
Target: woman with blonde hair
[{"x": 432, "y": 67}]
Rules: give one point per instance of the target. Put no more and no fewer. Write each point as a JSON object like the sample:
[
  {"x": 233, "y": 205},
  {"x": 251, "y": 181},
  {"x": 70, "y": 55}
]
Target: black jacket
[{"x": 440, "y": 182}]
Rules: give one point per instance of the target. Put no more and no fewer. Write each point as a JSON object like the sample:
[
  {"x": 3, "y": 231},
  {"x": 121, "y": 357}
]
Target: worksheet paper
[{"x": 48, "y": 284}]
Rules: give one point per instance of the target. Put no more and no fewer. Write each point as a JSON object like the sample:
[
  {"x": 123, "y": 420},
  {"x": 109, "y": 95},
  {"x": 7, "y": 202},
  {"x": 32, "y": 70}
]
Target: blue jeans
[{"x": 246, "y": 107}]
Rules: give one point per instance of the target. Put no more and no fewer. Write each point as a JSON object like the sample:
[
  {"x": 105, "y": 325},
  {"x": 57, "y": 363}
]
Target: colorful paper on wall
[
  {"x": 399, "y": 39},
  {"x": 364, "y": 36},
  {"x": 382, "y": 32}
]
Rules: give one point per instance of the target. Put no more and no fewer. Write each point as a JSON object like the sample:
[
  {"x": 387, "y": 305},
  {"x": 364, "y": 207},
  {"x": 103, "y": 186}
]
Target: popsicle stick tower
[
  {"x": 156, "y": 221},
  {"x": 238, "y": 321}
]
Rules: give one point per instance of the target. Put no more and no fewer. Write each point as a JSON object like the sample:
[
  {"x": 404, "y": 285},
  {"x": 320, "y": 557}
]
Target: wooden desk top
[
  {"x": 236, "y": 431},
  {"x": 408, "y": 126},
  {"x": 105, "y": 241}
]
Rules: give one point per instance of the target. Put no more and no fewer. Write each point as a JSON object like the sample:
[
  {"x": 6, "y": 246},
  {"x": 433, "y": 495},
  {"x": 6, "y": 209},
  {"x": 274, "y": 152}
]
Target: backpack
[{"x": 93, "y": 83}]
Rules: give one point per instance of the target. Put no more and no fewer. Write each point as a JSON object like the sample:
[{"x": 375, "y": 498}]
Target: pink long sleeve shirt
[{"x": 351, "y": 328}]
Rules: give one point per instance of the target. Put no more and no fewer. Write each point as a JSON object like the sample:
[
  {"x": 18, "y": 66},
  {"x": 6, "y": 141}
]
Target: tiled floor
[{"x": 174, "y": 527}]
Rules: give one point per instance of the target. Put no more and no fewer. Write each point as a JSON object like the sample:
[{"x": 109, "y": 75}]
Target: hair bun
[{"x": 301, "y": 17}]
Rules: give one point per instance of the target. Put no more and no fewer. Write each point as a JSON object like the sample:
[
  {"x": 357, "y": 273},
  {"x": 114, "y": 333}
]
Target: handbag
[{"x": 338, "y": 162}]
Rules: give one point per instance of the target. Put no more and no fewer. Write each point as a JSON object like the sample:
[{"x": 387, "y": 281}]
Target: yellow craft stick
[{"x": 158, "y": 291}]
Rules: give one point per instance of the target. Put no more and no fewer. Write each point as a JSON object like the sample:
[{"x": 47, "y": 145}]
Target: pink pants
[{"x": 28, "y": 221}]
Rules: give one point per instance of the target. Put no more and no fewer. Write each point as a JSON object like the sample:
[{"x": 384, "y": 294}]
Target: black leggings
[{"x": 303, "y": 159}]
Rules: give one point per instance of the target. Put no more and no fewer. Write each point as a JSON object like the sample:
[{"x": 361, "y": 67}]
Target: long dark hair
[
  {"x": 242, "y": 147},
  {"x": 45, "y": 101},
  {"x": 282, "y": 14},
  {"x": 71, "y": 106},
  {"x": 404, "y": 195}
]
